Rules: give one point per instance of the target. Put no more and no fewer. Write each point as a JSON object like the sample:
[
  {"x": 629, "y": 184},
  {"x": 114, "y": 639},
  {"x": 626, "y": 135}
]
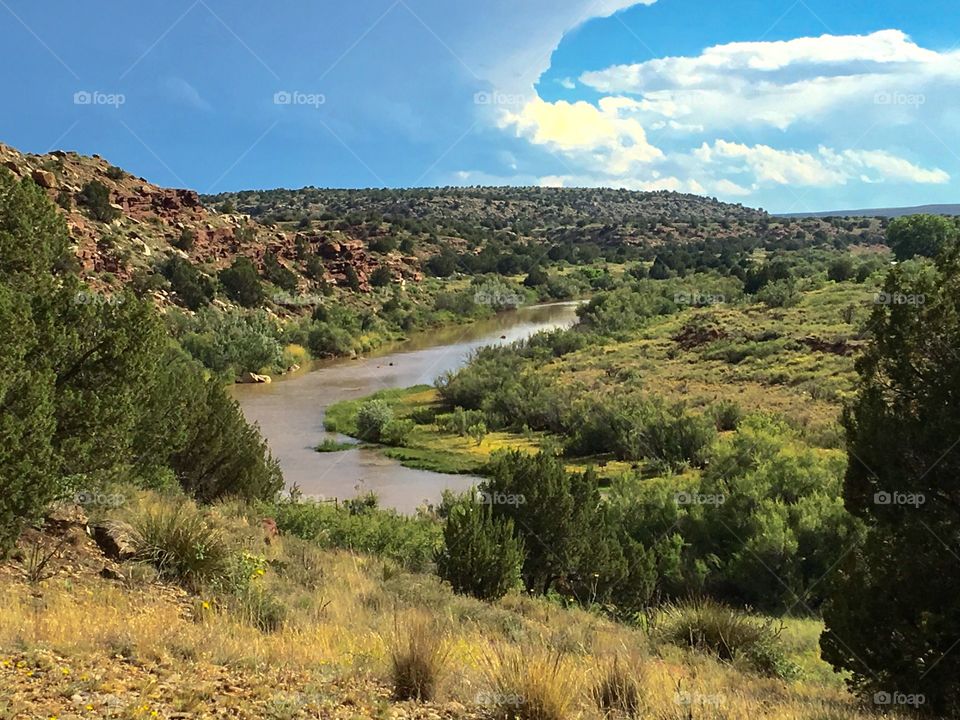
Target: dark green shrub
[
  {"x": 95, "y": 197},
  {"x": 481, "y": 554},
  {"x": 242, "y": 283},
  {"x": 194, "y": 289}
]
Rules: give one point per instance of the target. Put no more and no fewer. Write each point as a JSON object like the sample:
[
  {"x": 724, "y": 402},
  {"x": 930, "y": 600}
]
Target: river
[{"x": 290, "y": 410}]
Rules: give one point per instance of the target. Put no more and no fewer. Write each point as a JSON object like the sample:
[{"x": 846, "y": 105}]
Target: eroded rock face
[
  {"x": 152, "y": 220},
  {"x": 115, "y": 539}
]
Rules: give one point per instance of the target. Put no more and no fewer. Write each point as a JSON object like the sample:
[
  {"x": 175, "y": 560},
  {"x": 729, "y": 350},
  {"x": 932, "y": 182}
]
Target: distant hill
[{"x": 882, "y": 212}]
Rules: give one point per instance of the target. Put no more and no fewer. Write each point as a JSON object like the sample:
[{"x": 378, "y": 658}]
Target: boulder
[
  {"x": 115, "y": 539},
  {"x": 249, "y": 378},
  {"x": 65, "y": 515},
  {"x": 45, "y": 179}
]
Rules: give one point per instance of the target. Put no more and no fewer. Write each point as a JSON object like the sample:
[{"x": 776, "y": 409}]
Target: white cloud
[
  {"x": 780, "y": 83},
  {"x": 579, "y": 129},
  {"x": 183, "y": 92},
  {"x": 825, "y": 168}
]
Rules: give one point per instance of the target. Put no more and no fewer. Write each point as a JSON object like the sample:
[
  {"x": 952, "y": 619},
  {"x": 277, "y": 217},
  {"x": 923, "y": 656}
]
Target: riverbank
[
  {"x": 291, "y": 411},
  {"x": 436, "y": 445}
]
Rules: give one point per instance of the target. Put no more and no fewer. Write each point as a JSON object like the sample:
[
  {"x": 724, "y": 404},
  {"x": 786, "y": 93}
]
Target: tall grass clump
[
  {"x": 178, "y": 541},
  {"x": 728, "y": 634},
  {"x": 532, "y": 684},
  {"x": 418, "y": 656},
  {"x": 618, "y": 691}
]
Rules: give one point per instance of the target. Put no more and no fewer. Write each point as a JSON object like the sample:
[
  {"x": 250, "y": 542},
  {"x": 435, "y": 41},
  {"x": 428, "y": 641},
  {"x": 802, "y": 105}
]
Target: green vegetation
[
  {"x": 901, "y": 482},
  {"x": 95, "y": 197},
  {"x": 94, "y": 393}
]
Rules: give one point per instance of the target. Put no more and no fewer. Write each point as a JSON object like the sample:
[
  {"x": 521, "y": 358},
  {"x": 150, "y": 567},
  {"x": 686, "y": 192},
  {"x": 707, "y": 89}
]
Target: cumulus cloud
[
  {"x": 780, "y": 83},
  {"x": 578, "y": 129},
  {"x": 826, "y": 167}
]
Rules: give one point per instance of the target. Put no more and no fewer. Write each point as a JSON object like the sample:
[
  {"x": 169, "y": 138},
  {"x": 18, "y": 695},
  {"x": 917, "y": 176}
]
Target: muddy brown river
[{"x": 290, "y": 410}]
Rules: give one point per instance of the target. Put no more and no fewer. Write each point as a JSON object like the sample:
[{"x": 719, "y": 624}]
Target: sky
[{"x": 788, "y": 105}]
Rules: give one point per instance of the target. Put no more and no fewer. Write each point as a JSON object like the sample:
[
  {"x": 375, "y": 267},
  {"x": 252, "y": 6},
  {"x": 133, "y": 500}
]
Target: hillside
[
  {"x": 882, "y": 212},
  {"x": 287, "y": 629},
  {"x": 607, "y": 217}
]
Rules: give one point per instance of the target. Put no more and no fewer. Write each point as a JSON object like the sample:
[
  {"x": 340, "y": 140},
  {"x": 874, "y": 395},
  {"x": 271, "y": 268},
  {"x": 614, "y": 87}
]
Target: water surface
[{"x": 290, "y": 411}]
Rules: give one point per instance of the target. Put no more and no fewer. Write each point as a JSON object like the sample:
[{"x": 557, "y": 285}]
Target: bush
[
  {"x": 259, "y": 608},
  {"x": 372, "y": 417},
  {"x": 724, "y": 632},
  {"x": 181, "y": 545},
  {"x": 481, "y": 555},
  {"x": 727, "y": 415},
  {"x": 397, "y": 432},
  {"x": 186, "y": 240},
  {"x": 381, "y": 277},
  {"x": 410, "y": 541},
  {"x": 418, "y": 656},
  {"x": 327, "y": 340},
  {"x": 194, "y": 289},
  {"x": 95, "y": 197},
  {"x": 242, "y": 283}
]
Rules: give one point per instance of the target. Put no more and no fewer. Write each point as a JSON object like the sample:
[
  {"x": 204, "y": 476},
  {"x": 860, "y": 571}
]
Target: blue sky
[{"x": 791, "y": 106}]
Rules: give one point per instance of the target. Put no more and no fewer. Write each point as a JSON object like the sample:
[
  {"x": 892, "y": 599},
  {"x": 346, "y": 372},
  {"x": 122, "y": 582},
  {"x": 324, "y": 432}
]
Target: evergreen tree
[
  {"x": 893, "y": 620},
  {"x": 481, "y": 555}
]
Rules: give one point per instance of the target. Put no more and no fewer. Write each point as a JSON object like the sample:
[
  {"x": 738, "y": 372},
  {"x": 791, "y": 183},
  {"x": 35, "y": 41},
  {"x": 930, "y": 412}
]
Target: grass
[
  {"x": 333, "y": 653},
  {"x": 766, "y": 360},
  {"x": 619, "y": 691},
  {"x": 418, "y": 658},
  {"x": 330, "y": 445},
  {"x": 726, "y": 633},
  {"x": 180, "y": 543}
]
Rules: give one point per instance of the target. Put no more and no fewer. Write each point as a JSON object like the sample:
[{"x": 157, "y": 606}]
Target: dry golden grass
[{"x": 343, "y": 613}]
